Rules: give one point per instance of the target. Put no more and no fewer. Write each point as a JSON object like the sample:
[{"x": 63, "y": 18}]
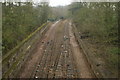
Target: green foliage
[
  {"x": 19, "y": 20},
  {"x": 114, "y": 50},
  {"x": 100, "y": 20}
]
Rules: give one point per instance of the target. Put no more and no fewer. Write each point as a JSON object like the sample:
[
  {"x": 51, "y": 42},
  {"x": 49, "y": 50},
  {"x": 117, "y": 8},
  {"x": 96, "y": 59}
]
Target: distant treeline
[
  {"x": 19, "y": 20},
  {"x": 97, "y": 19}
]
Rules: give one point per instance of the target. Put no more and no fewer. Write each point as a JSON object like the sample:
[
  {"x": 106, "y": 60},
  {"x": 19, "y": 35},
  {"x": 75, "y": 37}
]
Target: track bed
[{"x": 57, "y": 56}]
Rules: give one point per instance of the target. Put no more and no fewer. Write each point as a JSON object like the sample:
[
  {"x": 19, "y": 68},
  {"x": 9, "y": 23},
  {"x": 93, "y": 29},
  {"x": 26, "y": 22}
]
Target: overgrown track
[
  {"x": 56, "y": 60},
  {"x": 54, "y": 57}
]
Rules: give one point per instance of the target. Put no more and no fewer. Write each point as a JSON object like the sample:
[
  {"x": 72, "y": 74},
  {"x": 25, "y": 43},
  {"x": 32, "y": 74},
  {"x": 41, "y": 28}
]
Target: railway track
[
  {"x": 56, "y": 56},
  {"x": 57, "y": 59}
]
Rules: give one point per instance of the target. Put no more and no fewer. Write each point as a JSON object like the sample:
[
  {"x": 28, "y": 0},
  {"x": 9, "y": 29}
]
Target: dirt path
[{"x": 57, "y": 56}]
